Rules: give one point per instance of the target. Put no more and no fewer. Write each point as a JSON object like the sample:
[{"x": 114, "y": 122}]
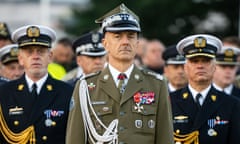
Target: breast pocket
[
  {"x": 144, "y": 119},
  {"x": 104, "y": 113}
]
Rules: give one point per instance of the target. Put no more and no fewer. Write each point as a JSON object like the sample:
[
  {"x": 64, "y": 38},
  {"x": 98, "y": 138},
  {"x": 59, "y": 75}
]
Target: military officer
[
  {"x": 90, "y": 56},
  {"x": 173, "y": 68},
  {"x": 120, "y": 104},
  {"x": 202, "y": 114},
  {"x": 34, "y": 108},
  {"x": 5, "y": 35},
  {"x": 226, "y": 69},
  {"x": 9, "y": 67}
]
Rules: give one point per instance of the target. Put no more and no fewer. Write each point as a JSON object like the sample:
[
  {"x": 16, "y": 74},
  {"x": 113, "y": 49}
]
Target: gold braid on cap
[
  {"x": 23, "y": 137},
  {"x": 191, "y": 138}
]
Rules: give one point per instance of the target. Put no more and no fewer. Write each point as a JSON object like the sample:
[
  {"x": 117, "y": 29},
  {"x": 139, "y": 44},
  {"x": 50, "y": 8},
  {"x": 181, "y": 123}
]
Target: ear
[
  {"x": 20, "y": 58},
  {"x": 50, "y": 54},
  {"x": 105, "y": 44}
]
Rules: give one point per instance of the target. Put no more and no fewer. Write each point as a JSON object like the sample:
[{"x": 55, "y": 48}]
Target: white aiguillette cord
[{"x": 110, "y": 135}]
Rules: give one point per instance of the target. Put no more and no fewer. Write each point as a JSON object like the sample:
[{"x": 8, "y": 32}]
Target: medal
[
  {"x": 48, "y": 122},
  {"x": 212, "y": 132}
]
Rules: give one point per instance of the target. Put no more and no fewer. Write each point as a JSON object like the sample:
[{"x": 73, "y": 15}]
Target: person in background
[
  {"x": 9, "y": 66},
  {"x": 90, "y": 56},
  {"x": 173, "y": 69},
  {"x": 152, "y": 56},
  {"x": 5, "y": 35},
  {"x": 120, "y": 104},
  {"x": 62, "y": 58},
  {"x": 35, "y": 107},
  {"x": 202, "y": 114},
  {"x": 226, "y": 70}
]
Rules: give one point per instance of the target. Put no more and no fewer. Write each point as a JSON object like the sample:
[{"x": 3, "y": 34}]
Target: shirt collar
[
  {"x": 227, "y": 90},
  {"x": 171, "y": 87},
  {"x": 203, "y": 92},
  {"x": 115, "y": 72},
  {"x": 39, "y": 83}
]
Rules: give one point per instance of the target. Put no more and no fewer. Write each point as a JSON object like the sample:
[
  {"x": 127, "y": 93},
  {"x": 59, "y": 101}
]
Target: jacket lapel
[
  {"x": 108, "y": 85},
  {"x": 44, "y": 99},
  {"x": 210, "y": 105},
  {"x": 185, "y": 103},
  {"x": 134, "y": 84}
]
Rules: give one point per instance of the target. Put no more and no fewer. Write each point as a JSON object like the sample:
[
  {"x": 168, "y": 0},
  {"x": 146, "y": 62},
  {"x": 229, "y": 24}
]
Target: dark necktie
[
  {"x": 34, "y": 90},
  {"x": 121, "y": 78},
  {"x": 197, "y": 100}
]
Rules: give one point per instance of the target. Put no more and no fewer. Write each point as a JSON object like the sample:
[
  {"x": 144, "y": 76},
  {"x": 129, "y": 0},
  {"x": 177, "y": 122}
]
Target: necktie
[
  {"x": 34, "y": 90},
  {"x": 197, "y": 100},
  {"x": 121, "y": 78}
]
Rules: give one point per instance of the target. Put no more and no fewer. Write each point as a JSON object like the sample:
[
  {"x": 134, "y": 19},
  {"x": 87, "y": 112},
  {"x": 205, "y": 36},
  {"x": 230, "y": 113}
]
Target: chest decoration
[
  {"x": 141, "y": 98},
  {"x": 212, "y": 123},
  {"x": 16, "y": 111},
  {"x": 91, "y": 86},
  {"x": 50, "y": 114}
]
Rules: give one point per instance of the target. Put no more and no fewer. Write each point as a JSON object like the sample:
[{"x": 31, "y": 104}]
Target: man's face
[
  {"x": 200, "y": 69},
  {"x": 121, "y": 46},
  {"x": 62, "y": 54},
  {"x": 225, "y": 75},
  {"x": 12, "y": 70},
  {"x": 4, "y": 42},
  {"x": 153, "y": 54},
  {"x": 35, "y": 60},
  {"x": 175, "y": 75},
  {"x": 91, "y": 64}
]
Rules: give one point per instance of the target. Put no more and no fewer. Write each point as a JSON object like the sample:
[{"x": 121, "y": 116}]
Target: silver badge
[
  {"x": 212, "y": 132},
  {"x": 138, "y": 123},
  {"x": 48, "y": 122},
  {"x": 151, "y": 123},
  {"x": 95, "y": 38}
]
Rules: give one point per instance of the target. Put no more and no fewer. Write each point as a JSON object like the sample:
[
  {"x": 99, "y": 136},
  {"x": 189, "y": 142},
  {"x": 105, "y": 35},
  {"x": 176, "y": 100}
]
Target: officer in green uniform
[{"x": 121, "y": 104}]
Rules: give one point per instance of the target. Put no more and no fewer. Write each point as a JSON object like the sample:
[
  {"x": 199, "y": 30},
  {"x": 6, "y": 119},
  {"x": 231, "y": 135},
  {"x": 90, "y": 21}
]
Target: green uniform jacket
[{"x": 153, "y": 125}]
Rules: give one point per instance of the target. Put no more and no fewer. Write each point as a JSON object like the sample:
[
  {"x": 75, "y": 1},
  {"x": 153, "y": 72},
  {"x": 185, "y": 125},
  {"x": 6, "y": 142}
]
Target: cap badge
[
  {"x": 95, "y": 38},
  {"x": 229, "y": 53},
  {"x": 200, "y": 42},
  {"x": 2, "y": 29},
  {"x": 14, "y": 51},
  {"x": 33, "y": 31},
  {"x": 123, "y": 8}
]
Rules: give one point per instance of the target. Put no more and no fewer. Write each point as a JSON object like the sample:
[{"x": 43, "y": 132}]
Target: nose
[{"x": 125, "y": 39}]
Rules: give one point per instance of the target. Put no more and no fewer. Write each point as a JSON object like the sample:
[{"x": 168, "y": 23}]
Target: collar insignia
[{"x": 20, "y": 87}]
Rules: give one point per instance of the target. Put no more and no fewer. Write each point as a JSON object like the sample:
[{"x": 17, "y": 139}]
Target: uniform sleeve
[
  {"x": 75, "y": 127},
  {"x": 164, "y": 131},
  {"x": 235, "y": 124}
]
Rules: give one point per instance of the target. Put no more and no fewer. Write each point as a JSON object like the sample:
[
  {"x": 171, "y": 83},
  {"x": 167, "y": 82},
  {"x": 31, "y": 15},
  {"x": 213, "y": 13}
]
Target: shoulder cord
[
  {"x": 110, "y": 135},
  {"x": 27, "y": 135}
]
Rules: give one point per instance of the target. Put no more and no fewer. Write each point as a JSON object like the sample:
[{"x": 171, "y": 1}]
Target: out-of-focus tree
[{"x": 167, "y": 20}]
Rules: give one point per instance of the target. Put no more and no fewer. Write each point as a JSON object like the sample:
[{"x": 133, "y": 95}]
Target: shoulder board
[
  {"x": 90, "y": 75},
  {"x": 156, "y": 75}
]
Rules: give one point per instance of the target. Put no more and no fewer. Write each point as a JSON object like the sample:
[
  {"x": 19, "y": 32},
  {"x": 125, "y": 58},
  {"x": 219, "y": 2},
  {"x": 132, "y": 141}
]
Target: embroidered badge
[
  {"x": 143, "y": 98},
  {"x": 16, "y": 111},
  {"x": 91, "y": 86}
]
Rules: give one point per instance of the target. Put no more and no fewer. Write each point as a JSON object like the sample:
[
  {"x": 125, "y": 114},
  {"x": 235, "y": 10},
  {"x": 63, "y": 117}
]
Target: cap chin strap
[{"x": 110, "y": 135}]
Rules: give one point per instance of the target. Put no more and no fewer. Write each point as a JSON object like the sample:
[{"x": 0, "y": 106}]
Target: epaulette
[
  {"x": 156, "y": 75},
  {"x": 90, "y": 75}
]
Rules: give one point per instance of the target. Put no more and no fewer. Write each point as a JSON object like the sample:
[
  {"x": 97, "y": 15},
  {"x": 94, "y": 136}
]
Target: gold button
[
  {"x": 54, "y": 123},
  {"x": 16, "y": 123},
  {"x": 177, "y": 131},
  {"x": 44, "y": 138}
]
